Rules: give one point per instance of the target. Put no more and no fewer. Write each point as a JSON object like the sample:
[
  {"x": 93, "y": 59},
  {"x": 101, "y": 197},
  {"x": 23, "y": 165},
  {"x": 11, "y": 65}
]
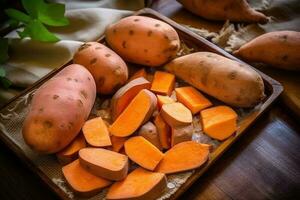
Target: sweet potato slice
[
  {"x": 83, "y": 182},
  {"x": 96, "y": 133},
  {"x": 143, "y": 152},
  {"x": 181, "y": 134},
  {"x": 104, "y": 163},
  {"x": 138, "y": 74},
  {"x": 140, "y": 184},
  {"x": 219, "y": 122},
  {"x": 70, "y": 153},
  {"x": 150, "y": 133},
  {"x": 164, "y": 131},
  {"x": 125, "y": 94},
  {"x": 192, "y": 98},
  {"x": 176, "y": 114},
  {"x": 163, "y": 83},
  {"x": 136, "y": 113},
  {"x": 161, "y": 100},
  {"x": 182, "y": 157},
  {"x": 117, "y": 143}
]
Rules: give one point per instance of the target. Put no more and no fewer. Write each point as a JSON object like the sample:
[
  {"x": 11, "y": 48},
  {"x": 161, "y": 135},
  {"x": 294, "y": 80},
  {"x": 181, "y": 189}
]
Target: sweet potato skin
[
  {"x": 233, "y": 10},
  {"x": 108, "y": 69},
  {"x": 143, "y": 40},
  {"x": 58, "y": 109},
  {"x": 279, "y": 49},
  {"x": 229, "y": 81}
]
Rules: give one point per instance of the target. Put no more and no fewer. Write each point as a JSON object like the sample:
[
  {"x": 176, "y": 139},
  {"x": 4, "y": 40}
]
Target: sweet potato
[
  {"x": 161, "y": 100},
  {"x": 182, "y": 157},
  {"x": 96, "y": 133},
  {"x": 181, "y": 134},
  {"x": 143, "y": 152},
  {"x": 140, "y": 184},
  {"x": 136, "y": 113},
  {"x": 229, "y": 81},
  {"x": 70, "y": 153},
  {"x": 58, "y": 109},
  {"x": 117, "y": 143},
  {"x": 125, "y": 94},
  {"x": 279, "y": 49},
  {"x": 176, "y": 114},
  {"x": 143, "y": 40},
  {"x": 108, "y": 69},
  {"x": 233, "y": 10},
  {"x": 104, "y": 163},
  {"x": 219, "y": 122},
  {"x": 138, "y": 74},
  {"x": 164, "y": 132},
  {"x": 83, "y": 182},
  {"x": 163, "y": 83},
  {"x": 149, "y": 132},
  {"x": 192, "y": 99}
]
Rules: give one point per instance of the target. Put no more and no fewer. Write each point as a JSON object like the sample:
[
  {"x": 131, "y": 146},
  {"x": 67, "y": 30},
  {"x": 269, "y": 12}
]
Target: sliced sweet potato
[
  {"x": 143, "y": 152},
  {"x": 117, "y": 143},
  {"x": 138, "y": 74},
  {"x": 83, "y": 182},
  {"x": 140, "y": 184},
  {"x": 70, "y": 153},
  {"x": 176, "y": 114},
  {"x": 164, "y": 131},
  {"x": 182, "y": 157},
  {"x": 149, "y": 132},
  {"x": 161, "y": 100},
  {"x": 104, "y": 163},
  {"x": 219, "y": 122},
  {"x": 192, "y": 99},
  {"x": 96, "y": 133},
  {"x": 181, "y": 134},
  {"x": 163, "y": 83},
  {"x": 136, "y": 113},
  {"x": 125, "y": 94}
]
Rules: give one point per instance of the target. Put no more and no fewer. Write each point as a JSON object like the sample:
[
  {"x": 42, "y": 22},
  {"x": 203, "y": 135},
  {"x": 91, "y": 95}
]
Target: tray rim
[{"x": 273, "y": 85}]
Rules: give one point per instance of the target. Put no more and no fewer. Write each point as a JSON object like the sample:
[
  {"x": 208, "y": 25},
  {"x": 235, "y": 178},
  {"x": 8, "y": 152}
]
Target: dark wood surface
[{"x": 263, "y": 164}]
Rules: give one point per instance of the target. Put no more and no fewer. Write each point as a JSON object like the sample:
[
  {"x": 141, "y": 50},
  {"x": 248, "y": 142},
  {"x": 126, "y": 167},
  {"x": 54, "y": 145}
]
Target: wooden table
[{"x": 263, "y": 164}]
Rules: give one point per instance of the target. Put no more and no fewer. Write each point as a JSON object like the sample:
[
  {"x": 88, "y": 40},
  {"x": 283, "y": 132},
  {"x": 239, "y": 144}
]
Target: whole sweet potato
[
  {"x": 233, "y": 10},
  {"x": 229, "y": 81},
  {"x": 143, "y": 40},
  {"x": 58, "y": 109},
  {"x": 108, "y": 69},
  {"x": 279, "y": 49}
]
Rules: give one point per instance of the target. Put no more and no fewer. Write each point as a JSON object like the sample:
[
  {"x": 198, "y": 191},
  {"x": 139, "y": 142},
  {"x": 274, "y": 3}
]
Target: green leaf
[
  {"x": 24, "y": 33},
  {"x": 3, "y": 50},
  {"x": 32, "y": 7},
  {"x": 13, "y": 23},
  {"x": 53, "y": 14},
  {"x": 17, "y": 15},
  {"x": 2, "y": 72},
  {"x": 37, "y": 31}
]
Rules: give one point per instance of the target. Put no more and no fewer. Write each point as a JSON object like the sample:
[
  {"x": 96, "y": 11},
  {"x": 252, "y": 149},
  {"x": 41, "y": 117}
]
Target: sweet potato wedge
[
  {"x": 104, "y": 163},
  {"x": 164, "y": 131},
  {"x": 163, "y": 83},
  {"x": 176, "y": 114},
  {"x": 140, "y": 184},
  {"x": 182, "y": 157},
  {"x": 181, "y": 134}
]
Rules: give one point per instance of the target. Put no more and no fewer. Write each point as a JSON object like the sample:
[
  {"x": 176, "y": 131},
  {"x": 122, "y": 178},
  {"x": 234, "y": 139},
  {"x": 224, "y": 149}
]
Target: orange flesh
[
  {"x": 133, "y": 116},
  {"x": 143, "y": 152},
  {"x": 163, "y": 83},
  {"x": 163, "y": 131},
  {"x": 219, "y": 122},
  {"x": 77, "y": 144},
  {"x": 81, "y": 180},
  {"x": 192, "y": 99},
  {"x": 96, "y": 133},
  {"x": 117, "y": 143},
  {"x": 138, "y": 74},
  {"x": 163, "y": 100},
  {"x": 136, "y": 184}
]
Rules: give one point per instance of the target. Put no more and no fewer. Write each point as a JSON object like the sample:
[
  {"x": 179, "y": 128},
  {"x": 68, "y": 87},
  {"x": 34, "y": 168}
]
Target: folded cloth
[{"x": 31, "y": 60}]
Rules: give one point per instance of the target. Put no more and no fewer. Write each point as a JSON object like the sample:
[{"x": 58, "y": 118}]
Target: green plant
[{"x": 32, "y": 24}]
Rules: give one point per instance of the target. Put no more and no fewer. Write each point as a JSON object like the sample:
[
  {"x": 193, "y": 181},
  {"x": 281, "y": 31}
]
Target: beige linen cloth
[{"x": 30, "y": 60}]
